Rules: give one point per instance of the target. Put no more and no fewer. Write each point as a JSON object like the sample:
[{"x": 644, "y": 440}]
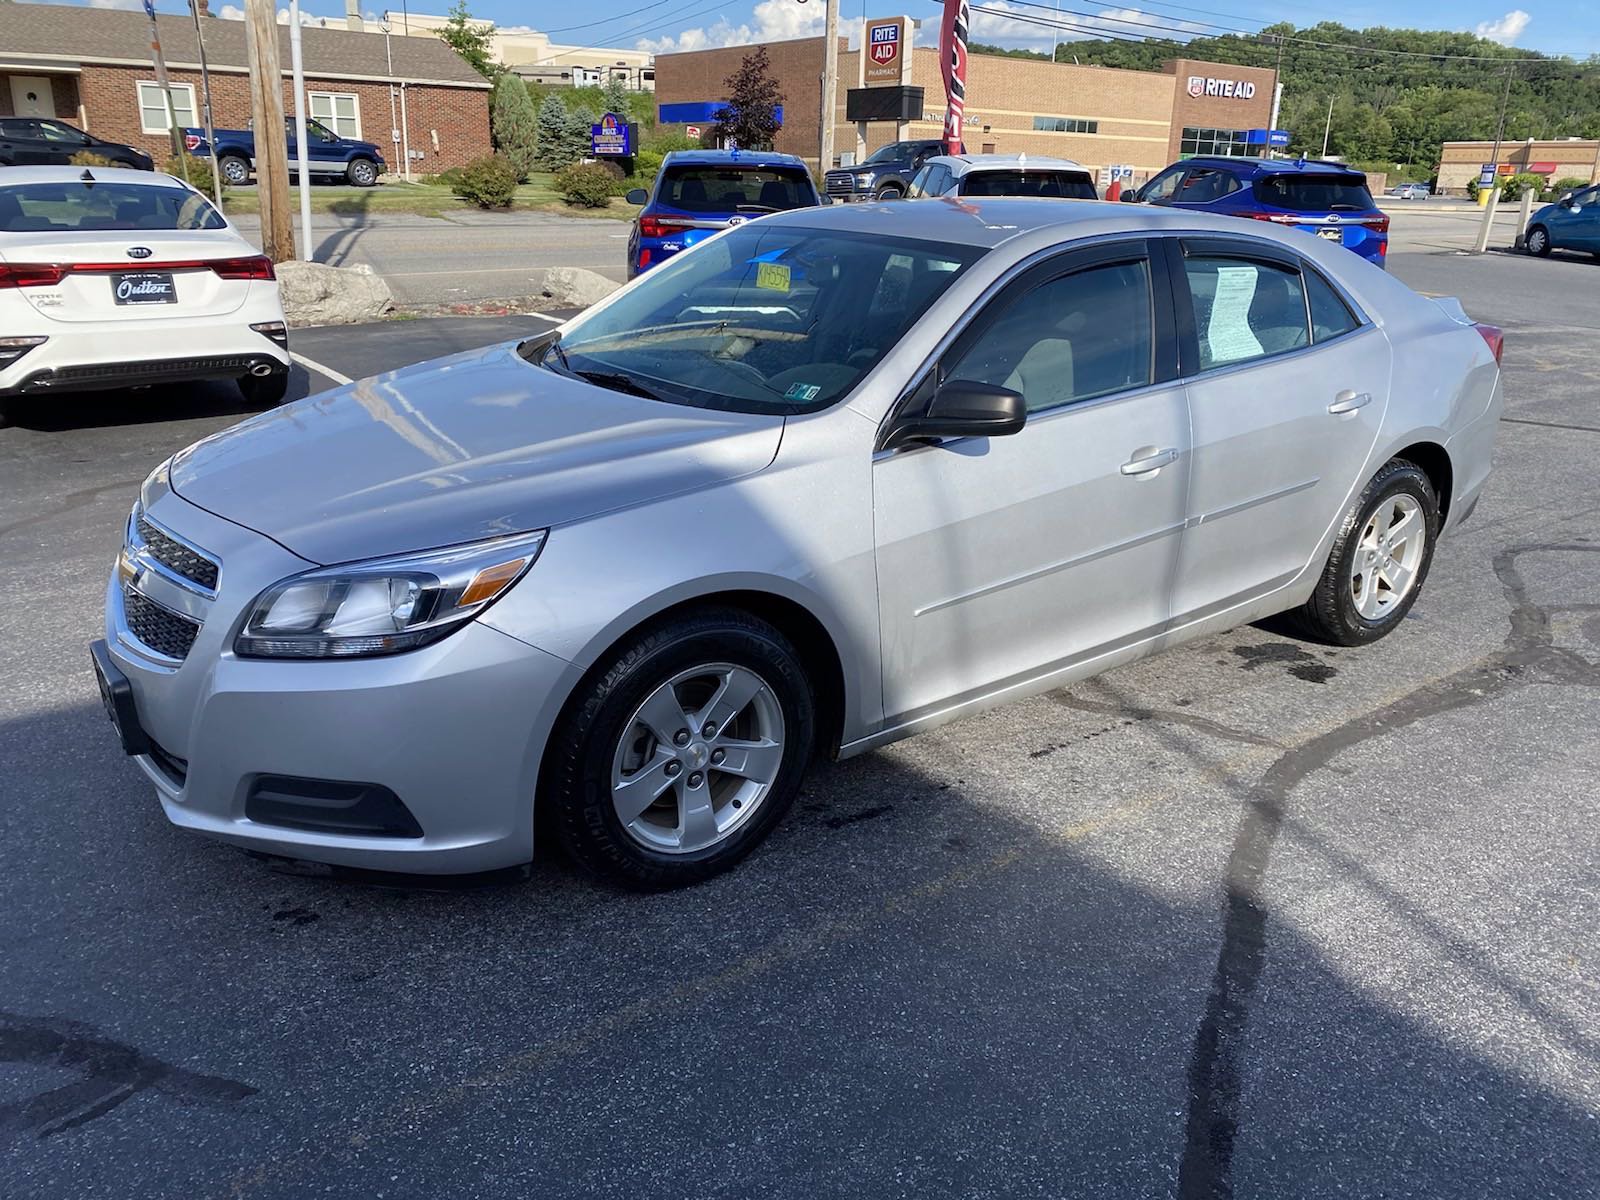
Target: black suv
[
  {"x": 885, "y": 175},
  {"x": 42, "y": 142}
]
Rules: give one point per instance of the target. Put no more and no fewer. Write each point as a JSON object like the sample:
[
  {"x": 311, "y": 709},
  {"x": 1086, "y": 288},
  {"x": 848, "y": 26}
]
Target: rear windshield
[
  {"x": 34, "y": 207},
  {"x": 1067, "y": 185},
  {"x": 1315, "y": 193},
  {"x": 736, "y": 189}
]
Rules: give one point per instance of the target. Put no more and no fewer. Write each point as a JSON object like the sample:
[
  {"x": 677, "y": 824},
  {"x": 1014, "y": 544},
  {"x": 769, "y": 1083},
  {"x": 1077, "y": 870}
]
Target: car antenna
[
  {"x": 1022, "y": 162},
  {"x": 86, "y": 177}
]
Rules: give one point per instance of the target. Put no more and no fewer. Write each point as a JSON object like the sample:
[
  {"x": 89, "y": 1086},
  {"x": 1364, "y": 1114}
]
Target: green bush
[
  {"x": 199, "y": 172},
  {"x": 1568, "y": 183},
  {"x": 448, "y": 177},
  {"x": 488, "y": 182},
  {"x": 587, "y": 185},
  {"x": 1524, "y": 181},
  {"x": 88, "y": 158},
  {"x": 514, "y": 123}
]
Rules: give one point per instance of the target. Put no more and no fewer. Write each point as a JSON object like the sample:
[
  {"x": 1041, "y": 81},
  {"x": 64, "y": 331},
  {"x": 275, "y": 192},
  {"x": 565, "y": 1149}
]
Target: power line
[{"x": 607, "y": 20}]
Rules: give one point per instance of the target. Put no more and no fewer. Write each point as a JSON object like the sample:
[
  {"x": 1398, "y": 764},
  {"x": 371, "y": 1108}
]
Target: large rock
[
  {"x": 570, "y": 287},
  {"x": 317, "y": 294}
]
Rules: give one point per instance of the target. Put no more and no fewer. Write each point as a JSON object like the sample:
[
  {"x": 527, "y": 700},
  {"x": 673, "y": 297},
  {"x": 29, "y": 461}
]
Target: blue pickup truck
[{"x": 328, "y": 155}]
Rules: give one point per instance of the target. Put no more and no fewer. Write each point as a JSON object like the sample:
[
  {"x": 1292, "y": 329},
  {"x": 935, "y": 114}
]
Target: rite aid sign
[
  {"x": 1232, "y": 89},
  {"x": 886, "y": 43}
]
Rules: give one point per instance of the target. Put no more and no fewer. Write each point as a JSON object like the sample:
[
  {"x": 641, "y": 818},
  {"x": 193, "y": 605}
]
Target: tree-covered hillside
[{"x": 1389, "y": 108}]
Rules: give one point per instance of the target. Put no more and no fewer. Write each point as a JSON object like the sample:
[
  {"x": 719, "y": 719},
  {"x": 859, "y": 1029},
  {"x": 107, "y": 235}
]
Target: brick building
[
  {"x": 1097, "y": 115},
  {"x": 1570, "y": 158},
  {"x": 91, "y": 67}
]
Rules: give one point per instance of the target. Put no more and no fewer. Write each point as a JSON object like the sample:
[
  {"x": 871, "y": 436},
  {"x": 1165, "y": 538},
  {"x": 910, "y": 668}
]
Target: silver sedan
[{"x": 829, "y": 479}]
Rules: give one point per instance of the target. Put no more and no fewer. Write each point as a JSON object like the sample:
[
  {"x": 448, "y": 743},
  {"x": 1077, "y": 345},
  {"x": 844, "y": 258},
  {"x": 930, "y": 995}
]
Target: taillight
[
  {"x": 644, "y": 257},
  {"x": 1495, "y": 336},
  {"x": 191, "y": 142},
  {"x": 257, "y": 266},
  {"x": 655, "y": 227},
  {"x": 31, "y": 274}
]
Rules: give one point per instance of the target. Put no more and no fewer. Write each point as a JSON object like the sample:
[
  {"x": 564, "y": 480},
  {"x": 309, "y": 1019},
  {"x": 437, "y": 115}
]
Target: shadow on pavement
[{"x": 59, "y": 412}]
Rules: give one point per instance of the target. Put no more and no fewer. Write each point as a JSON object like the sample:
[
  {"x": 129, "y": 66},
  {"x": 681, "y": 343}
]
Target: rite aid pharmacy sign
[
  {"x": 886, "y": 40},
  {"x": 1231, "y": 89}
]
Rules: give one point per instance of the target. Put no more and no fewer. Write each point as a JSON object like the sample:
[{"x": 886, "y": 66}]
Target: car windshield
[
  {"x": 894, "y": 152},
  {"x": 761, "y": 319},
  {"x": 735, "y": 189},
  {"x": 1069, "y": 185},
  {"x": 1315, "y": 193},
  {"x": 85, "y": 206}
]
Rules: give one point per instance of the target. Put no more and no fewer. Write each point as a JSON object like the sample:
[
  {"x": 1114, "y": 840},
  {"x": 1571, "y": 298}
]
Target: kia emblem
[{"x": 140, "y": 252}]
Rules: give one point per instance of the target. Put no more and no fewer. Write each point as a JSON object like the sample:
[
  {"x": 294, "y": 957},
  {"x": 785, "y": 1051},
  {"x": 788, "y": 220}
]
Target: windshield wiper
[
  {"x": 536, "y": 350},
  {"x": 755, "y": 208},
  {"x": 618, "y": 382}
]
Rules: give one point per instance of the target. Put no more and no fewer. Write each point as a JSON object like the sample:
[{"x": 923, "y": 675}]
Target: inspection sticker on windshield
[
  {"x": 802, "y": 392},
  {"x": 772, "y": 276}
]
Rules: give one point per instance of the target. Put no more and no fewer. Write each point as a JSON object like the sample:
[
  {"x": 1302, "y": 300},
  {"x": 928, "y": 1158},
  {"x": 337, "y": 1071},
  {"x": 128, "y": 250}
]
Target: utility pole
[
  {"x": 205, "y": 100},
  {"x": 1484, "y": 230},
  {"x": 173, "y": 132},
  {"x": 302, "y": 156},
  {"x": 266, "y": 108},
  {"x": 1277, "y": 95},
  {"x": 1327, "y": 128},
  {"x": 830, "y": 83}
]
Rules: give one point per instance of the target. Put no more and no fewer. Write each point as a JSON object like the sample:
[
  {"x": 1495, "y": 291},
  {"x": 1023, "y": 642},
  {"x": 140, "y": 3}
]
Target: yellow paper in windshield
[{"x": 772, "y": 276}]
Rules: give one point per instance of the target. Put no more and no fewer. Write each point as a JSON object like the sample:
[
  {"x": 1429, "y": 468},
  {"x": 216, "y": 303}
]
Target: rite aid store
[{"x": 1099, "y": 116}]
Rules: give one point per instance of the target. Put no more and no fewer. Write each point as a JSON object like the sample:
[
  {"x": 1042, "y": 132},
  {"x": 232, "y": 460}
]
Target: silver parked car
[
  {"x": 1002, "y": 175},
  {"x": 829, "y": 479}
]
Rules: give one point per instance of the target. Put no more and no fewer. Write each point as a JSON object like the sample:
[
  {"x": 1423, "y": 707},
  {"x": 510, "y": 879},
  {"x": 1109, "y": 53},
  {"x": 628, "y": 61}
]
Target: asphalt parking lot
[{"x": 1254, "y": 918}]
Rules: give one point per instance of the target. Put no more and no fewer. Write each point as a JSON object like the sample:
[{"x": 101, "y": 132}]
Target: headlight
[
  {"x": 384, "y": 606},
  {"x": 865, "y": 178}
]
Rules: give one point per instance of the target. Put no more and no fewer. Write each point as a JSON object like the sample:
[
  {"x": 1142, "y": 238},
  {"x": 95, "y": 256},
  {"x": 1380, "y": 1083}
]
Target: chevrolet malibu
[{"x": 827, "y": 480}]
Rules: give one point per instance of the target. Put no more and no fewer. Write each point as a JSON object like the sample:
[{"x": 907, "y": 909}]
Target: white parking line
[{"x": 325, "y": 372}]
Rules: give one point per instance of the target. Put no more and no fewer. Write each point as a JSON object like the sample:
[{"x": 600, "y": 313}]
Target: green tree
[
  {"x": 471, "y": 40},
  {"x": 614, "y": 96},
  {"x": 514, "y": 123},
  {"x": 749, "y": 117},
  {"x": 563, "y": 134}
]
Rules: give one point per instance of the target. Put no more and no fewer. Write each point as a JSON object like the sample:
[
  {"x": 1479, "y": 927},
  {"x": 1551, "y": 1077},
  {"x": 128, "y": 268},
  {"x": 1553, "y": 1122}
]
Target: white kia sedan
[{"x": 113, "y": 278}]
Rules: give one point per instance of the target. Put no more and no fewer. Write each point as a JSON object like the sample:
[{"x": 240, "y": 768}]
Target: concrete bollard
[{"x": 1523, "y": 218}]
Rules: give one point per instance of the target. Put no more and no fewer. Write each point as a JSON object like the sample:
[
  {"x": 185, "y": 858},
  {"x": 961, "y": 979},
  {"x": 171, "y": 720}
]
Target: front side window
[
  {"x": 153, "y": 113},
  {"x": 339, "y": 111},
  {"x": 1245, "y": 309},
  {"x": 764, "y": 320},
  {"x": 1160, "y": 189},
  {"x": 54, "y": 131},
  {"x": 1074, "y": 338},
  {"x": 707, "y": 189},
  {"x": 101, "y": 205},
  {"x": 919, "y": 185}
]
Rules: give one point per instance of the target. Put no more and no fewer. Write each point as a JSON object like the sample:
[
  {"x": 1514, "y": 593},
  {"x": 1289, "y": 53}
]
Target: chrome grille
[
  {"x": 839, "y": 183},
  {"x": 173, "y": 554},
  {"x": 161, "y": 629}
]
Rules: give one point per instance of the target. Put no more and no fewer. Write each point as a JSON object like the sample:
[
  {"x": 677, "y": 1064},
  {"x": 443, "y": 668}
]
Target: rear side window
[
  {"x": 735, "y": 189},
  {"x": 26, "y": 207},
  {"x": 1060, "y": 185},
  {"x": 1315, "y": 193},
  {"x": 1206, "y": 184},
  {"x": 1245, "y": 309},
  {"x": 1330, "y": 316}
]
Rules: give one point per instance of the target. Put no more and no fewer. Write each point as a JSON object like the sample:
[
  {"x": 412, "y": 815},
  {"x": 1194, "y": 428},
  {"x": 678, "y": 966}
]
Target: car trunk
[{"x": 131, "y": 274}]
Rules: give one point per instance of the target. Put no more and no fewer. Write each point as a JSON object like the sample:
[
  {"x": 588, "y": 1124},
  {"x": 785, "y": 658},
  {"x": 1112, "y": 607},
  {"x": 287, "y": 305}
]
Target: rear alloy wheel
[
  {"x": 264, "y": 391},
  {"x": 235, "y": 170},
  {"x": 1379, "y": 559},
  {"x": 1538, "y": 241},
  {"x": 363, "y": 172},
  {"x": 675, "y": 760}
]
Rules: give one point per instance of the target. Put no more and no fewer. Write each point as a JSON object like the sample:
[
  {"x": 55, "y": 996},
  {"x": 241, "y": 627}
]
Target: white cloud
[
  {"x": 133, "y": 5},
  {"x": 1507, "y": 29},
  {"x": 775, "y": 21},
  {"x": 232, "y": 12}
]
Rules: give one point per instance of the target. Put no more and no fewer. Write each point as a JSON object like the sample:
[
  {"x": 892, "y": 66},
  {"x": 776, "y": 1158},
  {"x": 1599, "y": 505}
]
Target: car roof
[
  {"x": 1274, "y": 166},
  {"x": 731, "y": 158},
  {"x": 14, "y": 175},
  {"x": 965, "y": 164}
]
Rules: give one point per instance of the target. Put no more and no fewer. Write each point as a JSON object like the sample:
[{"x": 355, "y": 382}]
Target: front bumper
[{"x": 454, "y": 730}]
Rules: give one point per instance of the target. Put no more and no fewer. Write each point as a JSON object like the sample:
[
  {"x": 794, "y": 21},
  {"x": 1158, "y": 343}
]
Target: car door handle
[
  {"x": 1348, "y": 402},
  {"x": 1153, "y": 461}
]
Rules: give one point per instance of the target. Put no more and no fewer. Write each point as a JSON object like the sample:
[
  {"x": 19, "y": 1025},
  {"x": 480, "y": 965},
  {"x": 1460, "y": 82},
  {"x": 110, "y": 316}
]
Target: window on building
[
  {"x": 153, "y": 113},
  {"x": 1065, "y": 125},
  {"x": 1213, "y": 141},
  {"x": 339, "y": 111}
]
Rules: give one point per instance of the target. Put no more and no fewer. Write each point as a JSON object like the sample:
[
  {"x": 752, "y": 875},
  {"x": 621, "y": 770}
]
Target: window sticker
[
  {"x": 803, "y": 392},
  {"x": 772, "y": 276},
  {"x": 1228, "y": 333}
]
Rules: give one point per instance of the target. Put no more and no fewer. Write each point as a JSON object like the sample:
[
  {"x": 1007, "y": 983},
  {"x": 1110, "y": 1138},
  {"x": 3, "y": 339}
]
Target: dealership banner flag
[{"x": 953, "y": 56}]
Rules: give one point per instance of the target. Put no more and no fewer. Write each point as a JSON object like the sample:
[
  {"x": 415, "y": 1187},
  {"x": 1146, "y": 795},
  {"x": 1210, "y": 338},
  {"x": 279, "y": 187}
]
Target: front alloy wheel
[{"x": 1538, "y": 241}]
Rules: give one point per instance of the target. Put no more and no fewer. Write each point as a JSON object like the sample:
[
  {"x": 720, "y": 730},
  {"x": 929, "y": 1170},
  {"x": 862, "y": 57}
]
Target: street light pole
[
  {"x": 830, "y": 83},
  {"x": 1327, "y": 128},
  {"x": 302, "y": 156},
  {"x": 205, "y": 99}
]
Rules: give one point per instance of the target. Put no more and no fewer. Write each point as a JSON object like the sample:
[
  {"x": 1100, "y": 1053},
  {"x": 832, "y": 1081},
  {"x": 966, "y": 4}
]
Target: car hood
[{"x": 472, "y": 446}]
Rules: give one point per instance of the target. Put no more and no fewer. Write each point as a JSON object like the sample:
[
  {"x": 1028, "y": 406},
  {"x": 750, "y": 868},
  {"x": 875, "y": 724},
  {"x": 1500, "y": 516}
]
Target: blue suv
[
  {"x": 698, "y": 192},
  {"x": 1329, "y": 200}
]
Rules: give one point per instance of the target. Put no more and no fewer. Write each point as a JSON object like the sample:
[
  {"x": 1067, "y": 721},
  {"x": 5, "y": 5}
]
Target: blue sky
[{"x": 1554, "y": 26}]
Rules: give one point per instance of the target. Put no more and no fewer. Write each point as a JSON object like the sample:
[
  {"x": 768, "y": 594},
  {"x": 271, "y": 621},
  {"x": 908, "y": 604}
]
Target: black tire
[
  {"x": 1331, "y": 614},
  {"x": 1538, "y": 241},
  {"x": 235, "y": 170},
  {"x": 362, "y": 172},
  {"x": 576, "y": 781},
  {"x": 264, "y": 391}
]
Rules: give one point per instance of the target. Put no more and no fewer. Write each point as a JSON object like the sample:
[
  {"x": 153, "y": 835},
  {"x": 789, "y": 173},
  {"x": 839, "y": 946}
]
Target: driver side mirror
[
  {"x": 961, "y": 408},
  {"x": 1130, "y": 197},
  {"x": 1566, "y": 201},
  {"x": 637, "y": 196}
]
